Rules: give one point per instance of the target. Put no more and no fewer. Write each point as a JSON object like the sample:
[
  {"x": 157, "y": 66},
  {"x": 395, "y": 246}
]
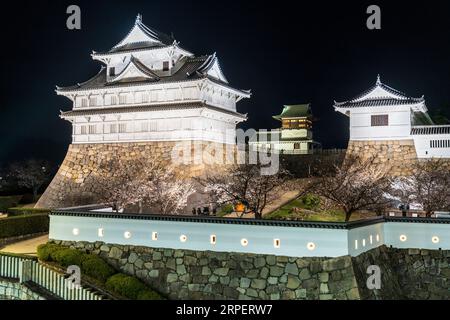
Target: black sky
[{"x": 286, "y": 52}]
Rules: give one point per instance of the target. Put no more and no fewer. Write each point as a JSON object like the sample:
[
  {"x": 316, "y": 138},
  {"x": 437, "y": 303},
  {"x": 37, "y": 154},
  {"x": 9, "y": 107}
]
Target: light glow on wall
[
  {"x": 356, "y": 244},
  {"x": 364, "y": 242},
  {"x": 435, "y": 239},
  {"x": 403, "y": 238},
  {"x": 311, "y": 246},
  {"x": 127, "y": 234},
  {"x": 75, "y": 231},
  {"x": 100, "y": 232},
  {"x": 276, "y": 243},
  {"x": 378, "y": 238},
  {"x": 371, "y": 239},
  {"x": 244, "y": 242},
  {"x": 183, "y": 238}
]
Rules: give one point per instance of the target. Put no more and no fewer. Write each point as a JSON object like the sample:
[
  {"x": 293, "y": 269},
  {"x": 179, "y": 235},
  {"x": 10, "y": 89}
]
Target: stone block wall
[
  {"x": 13, "y": 290},
  {"x": 397, "y": 155},
  {"x": 186, "y": 274},
  {"x": 82, "y": 160}
]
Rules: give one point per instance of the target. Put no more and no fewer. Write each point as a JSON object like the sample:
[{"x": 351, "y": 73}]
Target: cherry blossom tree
[
  {"x": 358, "y": 184},
  {"x": 428, "y": 186},
  {"x": 246, "y": 185},
  {"x": 124, "y": 183}
]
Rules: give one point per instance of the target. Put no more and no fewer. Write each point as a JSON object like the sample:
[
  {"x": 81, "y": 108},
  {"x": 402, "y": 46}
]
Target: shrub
[
  {"x": 17, "y": 211},
  {"x": 68, "y": 257},
  {"x": 45, "y": 251},
  {"x": 97, "y": 268},
  {"x": 148, "y": 295},
  {"x": 8, "y": 202},
  {"x": 310, "y": 201},
  {"x": 23, "y": 225},
  {"x": 27, "y": 198},
  {"x": 129, "y": 287}
]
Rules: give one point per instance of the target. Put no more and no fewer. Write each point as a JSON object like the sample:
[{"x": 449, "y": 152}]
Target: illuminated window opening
[
  {"x": 371, "y": 239},
  {"x": 403, "y": 238},
  {"x": 75, "y": 231},
  {"x": 311, "y": 246},
  {"x": 356, "y": 244},
  {"x": 213, "y": 239},
  {"x": 127, "y": 234},
  {"x": 435, "y": 239},
  {"x": 244, "y": 242},
  {"x": 100, "y": 232},
  {"x": 154, "y": 236},
  {"x": 183, "y": 238}
]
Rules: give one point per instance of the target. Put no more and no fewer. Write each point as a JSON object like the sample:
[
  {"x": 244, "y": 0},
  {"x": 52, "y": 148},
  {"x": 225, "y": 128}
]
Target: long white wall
[
  {"x": 295, "y": 239},
  {"x": 432, "y": 145}
]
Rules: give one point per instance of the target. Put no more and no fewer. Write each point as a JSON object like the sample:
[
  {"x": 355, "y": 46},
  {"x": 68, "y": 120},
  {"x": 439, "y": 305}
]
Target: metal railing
[{"x": 28, "y": 270}]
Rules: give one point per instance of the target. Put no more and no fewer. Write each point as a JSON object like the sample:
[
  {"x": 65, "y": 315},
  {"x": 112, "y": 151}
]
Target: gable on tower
[
  {"x": 142, "y": 36},
  {"x": 135, "y": 71}
]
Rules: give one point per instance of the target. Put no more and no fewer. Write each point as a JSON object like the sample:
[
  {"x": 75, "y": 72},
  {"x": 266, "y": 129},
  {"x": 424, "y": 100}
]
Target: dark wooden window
[
  {"x": 165, "y": 65},
  {"x": 112, "y": 71},
  {"x": 296, "y": 145},
  {"x": 380, "y": 120}
]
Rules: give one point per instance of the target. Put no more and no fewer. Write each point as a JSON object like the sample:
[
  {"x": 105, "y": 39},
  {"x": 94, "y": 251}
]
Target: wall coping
[{"x": 85, "y": 212}]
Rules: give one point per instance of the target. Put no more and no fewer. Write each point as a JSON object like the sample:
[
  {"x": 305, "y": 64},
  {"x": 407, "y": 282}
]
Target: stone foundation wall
[
  {"x": 13, "y": 290},
  {"x": 397, "y": 155},
  {"x": 406, "y": 273},
  {"x": 68, "y": 188},
  {"x": 185, "y": 274}
]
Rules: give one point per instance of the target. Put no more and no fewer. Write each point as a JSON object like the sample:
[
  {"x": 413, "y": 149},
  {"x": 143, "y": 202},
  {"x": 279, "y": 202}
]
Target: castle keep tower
[
  {"x": 394, "y": 128},
  {"x": 149, "y": 95}
]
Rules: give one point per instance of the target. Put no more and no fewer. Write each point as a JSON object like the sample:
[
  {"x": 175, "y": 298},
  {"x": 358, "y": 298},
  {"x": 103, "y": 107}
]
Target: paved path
[
  {"x": 284, "y": 199},
  {"x": 28, "y": 247}
]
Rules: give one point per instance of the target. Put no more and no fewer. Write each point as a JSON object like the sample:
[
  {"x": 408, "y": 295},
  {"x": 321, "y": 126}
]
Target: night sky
[{"x": 286, "y": 54}]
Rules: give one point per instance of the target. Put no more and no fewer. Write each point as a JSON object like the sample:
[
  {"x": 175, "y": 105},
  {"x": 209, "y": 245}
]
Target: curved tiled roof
[
  {"x": 378, "y": 102},
  {"x": 384, "y": 95},
  {"x": 295, "y": 111},
  {"x": 148, "y": 107}
]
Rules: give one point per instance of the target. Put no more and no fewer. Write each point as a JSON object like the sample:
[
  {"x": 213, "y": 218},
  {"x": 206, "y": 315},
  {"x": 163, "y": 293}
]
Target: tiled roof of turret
[
  {"x": 295, "y": 111},
  {"x": 379, "y": 95}
]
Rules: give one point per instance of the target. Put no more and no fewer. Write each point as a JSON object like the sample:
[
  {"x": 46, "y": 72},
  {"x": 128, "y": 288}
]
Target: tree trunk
[
  {"x": 348, "y": 214},
  {"x": 35, "y": 192},
  {"x": 258, "y": 215}
]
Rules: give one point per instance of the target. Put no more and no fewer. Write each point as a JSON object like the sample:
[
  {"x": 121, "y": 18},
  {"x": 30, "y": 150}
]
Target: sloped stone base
[
  {"x": 190, "y": 159},
  {"x": 398, "y": 156}
]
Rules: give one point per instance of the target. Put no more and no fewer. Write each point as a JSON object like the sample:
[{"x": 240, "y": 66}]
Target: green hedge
[
  {"x": 23, "y": 225},
  {"x": 17, "y": 211},
  {"x": 96, "y": 268},
  {"x": 130, "y": 287},
  {"x": 8, "y": 202},
  {"x": 45, "y": 251}
]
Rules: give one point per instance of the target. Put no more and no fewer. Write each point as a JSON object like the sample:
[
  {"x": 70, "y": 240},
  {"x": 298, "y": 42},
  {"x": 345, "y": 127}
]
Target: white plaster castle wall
[
  {"x": 432, "y": 146},
  {"x": 399, "y": 123},
  {"x": 295, "y": 241}
]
